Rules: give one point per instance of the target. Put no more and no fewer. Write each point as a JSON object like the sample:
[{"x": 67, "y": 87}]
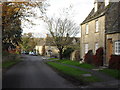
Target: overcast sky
[{"x": 80, "y": 10}]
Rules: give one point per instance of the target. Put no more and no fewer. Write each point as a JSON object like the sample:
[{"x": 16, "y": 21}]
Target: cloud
[{"x": 81, "y": 8}]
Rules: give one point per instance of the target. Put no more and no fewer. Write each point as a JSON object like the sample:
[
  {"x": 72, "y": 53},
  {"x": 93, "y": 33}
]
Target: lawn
[
  {"x": 112, "y": 72},
  {"x": 76, "y": 63},
  {"x": 74, "y": 73},
  {"x": 8, "y": 64},
  {"x": 52, "y": 58}
]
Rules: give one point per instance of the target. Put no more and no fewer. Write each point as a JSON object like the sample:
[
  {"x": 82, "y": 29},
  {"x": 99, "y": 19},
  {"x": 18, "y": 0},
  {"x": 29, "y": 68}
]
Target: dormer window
[{"x": 106, "y": 2}]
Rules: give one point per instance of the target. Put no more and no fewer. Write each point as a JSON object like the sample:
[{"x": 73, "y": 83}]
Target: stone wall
[
  {"x": 53, "y": 49},
  {"x": 92, "y": 37},
  {"x": 39, "y": 49},
  {"x": 75, "y": 55}
]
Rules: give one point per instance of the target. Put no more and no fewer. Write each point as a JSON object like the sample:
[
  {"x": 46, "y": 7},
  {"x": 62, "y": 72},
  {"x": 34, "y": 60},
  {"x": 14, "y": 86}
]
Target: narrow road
[{"x": 33, "y": 73}]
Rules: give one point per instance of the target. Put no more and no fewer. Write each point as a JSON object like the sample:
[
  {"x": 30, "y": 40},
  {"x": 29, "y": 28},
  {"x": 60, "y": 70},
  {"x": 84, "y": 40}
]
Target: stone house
[
  {"x": 75, "y": 43},
  {"x": 101, "y": 28},
  {"x": 50, "y": 47},
  {"x": 46, "y": 43},
  {"x": 39, "y": 46}
]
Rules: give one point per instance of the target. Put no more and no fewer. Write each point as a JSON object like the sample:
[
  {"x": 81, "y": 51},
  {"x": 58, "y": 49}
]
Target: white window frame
[
  {"x": 96, "y": 46},
  {"x": 117, "y": 47},
  {"x": 86, "y": 48},
  {"x": 87, "y": 29},
  {"x": 96, "y": 26}
]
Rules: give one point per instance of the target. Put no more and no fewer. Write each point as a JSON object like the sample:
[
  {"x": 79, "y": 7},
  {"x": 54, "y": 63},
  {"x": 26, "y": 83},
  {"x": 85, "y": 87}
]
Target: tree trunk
[{"x": 60, "y": 54}]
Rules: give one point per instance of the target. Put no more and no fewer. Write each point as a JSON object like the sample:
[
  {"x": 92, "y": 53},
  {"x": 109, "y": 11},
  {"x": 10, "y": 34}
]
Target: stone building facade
[
  {"x": 101, "y": 28},
  {"x": 51, "y": 49}
]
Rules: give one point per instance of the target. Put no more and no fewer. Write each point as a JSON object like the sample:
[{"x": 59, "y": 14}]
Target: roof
[
  {"x": 41, "y": 42},
  {"x": 94, "y": 15},
  {"x": 49, "y": 40},
  {"x": 112, "y": 19},
  {"x": 112, "y": 16}
]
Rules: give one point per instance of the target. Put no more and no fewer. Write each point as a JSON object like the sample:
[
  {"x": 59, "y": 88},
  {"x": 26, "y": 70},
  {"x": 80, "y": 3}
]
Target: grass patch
[
  {"x": 76, "y": 63},
  {"x": 52, "y": 58},
  {"x": 8, "y": 64},
  {"x": 74, "y": 73},
  {"x": 112, "y": 72}
]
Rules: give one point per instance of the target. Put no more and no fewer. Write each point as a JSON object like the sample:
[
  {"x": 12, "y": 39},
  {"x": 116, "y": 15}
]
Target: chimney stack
[{"x": 97, "y": 4}]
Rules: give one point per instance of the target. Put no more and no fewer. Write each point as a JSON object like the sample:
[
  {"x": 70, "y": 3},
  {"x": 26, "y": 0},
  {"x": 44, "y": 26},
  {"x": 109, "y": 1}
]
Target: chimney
[
  {"x": 107, "y": 2},
  {"x": 97, "y": 4}
]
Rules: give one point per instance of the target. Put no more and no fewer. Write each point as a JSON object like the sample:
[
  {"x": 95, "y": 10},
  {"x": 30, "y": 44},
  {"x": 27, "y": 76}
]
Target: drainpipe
[{"x": 104, "y": 59}]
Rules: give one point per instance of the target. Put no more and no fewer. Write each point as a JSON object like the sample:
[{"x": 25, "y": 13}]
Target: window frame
[
  {"x": 86, "y": 48},
  {"x": 96, "y": 26},
  {"x": 117, "y": 47}
]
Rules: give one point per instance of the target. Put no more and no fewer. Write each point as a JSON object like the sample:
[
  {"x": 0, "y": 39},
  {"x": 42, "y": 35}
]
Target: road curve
[{"x": 33, "y": 73}]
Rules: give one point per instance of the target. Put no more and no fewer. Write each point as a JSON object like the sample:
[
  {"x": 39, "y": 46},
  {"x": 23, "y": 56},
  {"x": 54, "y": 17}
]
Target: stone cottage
[
  {"x": 49, "y": 48},
  {"x": 46, "y": 47},
  {"x": 101, "y": 28}
]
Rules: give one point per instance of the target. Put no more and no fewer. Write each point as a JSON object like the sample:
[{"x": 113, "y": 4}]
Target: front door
[{"x": 109, "y": 49}]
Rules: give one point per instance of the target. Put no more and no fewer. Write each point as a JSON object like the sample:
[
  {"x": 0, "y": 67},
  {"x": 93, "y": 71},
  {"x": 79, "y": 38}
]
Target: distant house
[
  {"x": 101, "y": 28},
  {"x": 75, "y": 45},
  {"x": 49, "y": 48},
  {"x": 46, "y": 46},
  {"x": 39, "y": 46}
]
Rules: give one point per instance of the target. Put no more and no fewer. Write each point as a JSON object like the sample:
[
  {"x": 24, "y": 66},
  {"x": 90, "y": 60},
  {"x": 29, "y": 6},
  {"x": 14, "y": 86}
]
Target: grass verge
[
  {"x": 76, "y": 63},
  {"x": 112, "y": 72},
  {"x": 52, "y": 58},
  {"x": 8, "y": 64},
  {"x": 74, "y": 73}
]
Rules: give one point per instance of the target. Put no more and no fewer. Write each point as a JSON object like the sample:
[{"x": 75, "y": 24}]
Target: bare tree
[{"x": 61, "y": 31}]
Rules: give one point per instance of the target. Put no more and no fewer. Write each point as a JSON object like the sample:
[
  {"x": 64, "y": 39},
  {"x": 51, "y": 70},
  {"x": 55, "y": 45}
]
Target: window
[
  {"x": 86, "y": 48},
  {"x": 106, "y": 2},
  {"x": 96, "y": 46},
  {"x": 87, "y": 29},
  {"x": 117, "y": 47},
  {"x": 96, "y": 26}
]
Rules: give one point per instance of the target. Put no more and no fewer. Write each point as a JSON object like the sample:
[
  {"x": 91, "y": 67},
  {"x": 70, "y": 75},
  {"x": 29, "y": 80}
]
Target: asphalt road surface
[{"x": 33, "y": 73}]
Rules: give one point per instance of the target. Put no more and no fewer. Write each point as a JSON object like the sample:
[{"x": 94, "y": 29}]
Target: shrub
[
  {"x": 114, "y": 62},
  {"x": 98, "y": 57},
  {"x": 67, "y": 52},
  {"x": 89, "y": 57}
]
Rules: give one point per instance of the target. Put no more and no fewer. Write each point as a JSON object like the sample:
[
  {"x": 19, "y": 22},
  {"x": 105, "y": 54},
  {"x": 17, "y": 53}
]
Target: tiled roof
[
  {"x": 41, "y": 42},
  {"x": 94, "y": 15},
  {"x": 49, "y": 41}
]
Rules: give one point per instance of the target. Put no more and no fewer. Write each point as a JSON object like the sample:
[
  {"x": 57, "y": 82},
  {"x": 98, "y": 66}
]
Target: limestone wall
[{"x": 92, "y": 37}]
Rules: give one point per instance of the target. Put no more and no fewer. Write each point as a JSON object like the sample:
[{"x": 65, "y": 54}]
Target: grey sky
[{"x": 81, "y": 8}]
